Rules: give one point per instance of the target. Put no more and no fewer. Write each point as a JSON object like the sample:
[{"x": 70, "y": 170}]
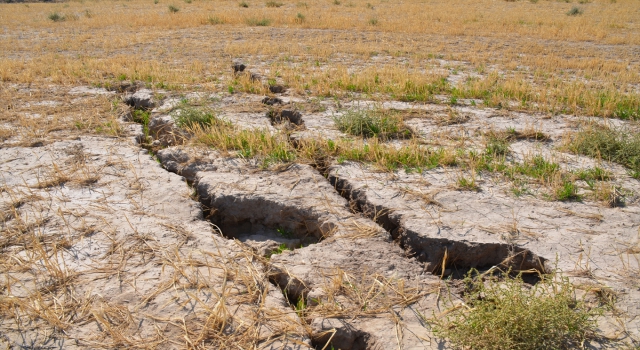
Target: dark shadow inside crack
[
  {"x": 267, "y": 227},
  {"x": 442, "y": 256},
  {"x": 292, "y": 117},
  {"x": 334, "y": 333}
]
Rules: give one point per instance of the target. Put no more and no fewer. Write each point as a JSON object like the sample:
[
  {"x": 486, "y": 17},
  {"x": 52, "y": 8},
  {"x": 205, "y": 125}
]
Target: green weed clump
[
  {"x": 56, "y": 17},
  {"x": 254, "y": 22},
  {"x": 188, "y": 117},
  {"x": 627, "y": 109},
  {"x": 593, "y": 174},
  {"x": 142, "y": 117},
  {"x": 500, "y": 312},
  {"x": 215, "y": 20},
  {"x": 612, "y": 144},
  {"x": 567, "y": 191},
  {"x": 575, "y": 11},
  {"x": 173, "y": 9},
  {"x": 467, "y": 184},
  {"x": 497, "y": 147},
  {"x": 274, "y": 4},
  {"x": 537, "y": 167},
  {"x": 372, "y": 123}
]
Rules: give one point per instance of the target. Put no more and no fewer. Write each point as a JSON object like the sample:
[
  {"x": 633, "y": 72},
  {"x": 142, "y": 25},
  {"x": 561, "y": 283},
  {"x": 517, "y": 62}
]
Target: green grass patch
[
  {"x": 575, "y": 11},
  {"x": 423, "y": 92},
  {"x": 372, "y": 123},
  {"x": 188, "y": 117},
  {"x": 567, "y": 191},
  {"x": 501, "y": 312},
  {"x": 613, "y": 144},
  {"x": 56, "y": 17},
  {"x": 142, "y": 117},
  {"x": 591, "y": 175},
  {"x": 274, "y": 4},
  {"x": 467, "y": 184},
  {"x": 537, "y": 167},
  {"x": 215, "y": 20},
  {"x": 497, "y": 147},
  {"x": 387, "y": 157},
  {"x": 254, "y": 22}
]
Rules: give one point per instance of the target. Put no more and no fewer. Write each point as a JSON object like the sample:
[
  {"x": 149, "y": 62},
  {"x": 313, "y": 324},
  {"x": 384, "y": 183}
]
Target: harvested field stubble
[
  {"x": 597, "y": 82},
  {"x": 322, "y": 174}
]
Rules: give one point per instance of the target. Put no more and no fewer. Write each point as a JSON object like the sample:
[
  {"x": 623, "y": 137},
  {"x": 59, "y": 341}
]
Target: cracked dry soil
[{"x": 107, "y": 246}]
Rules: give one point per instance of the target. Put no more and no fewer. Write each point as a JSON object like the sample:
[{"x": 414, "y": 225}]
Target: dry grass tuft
[
  {"x": 362, "y": 294},
  {"x": 5, "y": 133},
  {"x": 452, "y": 117}
]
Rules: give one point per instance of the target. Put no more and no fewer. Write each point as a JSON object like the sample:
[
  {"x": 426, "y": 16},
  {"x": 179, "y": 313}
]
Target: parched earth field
[{"x": 320, "y": 175}]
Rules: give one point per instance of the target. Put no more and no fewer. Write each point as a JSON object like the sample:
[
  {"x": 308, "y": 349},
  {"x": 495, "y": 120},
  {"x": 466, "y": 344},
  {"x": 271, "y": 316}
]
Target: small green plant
[
  {"x": 156, "y": 1},
  {"x": 501, "y": 312},
  {"x": 56, "y": 17},
  {"x": 336, "y": 2},
  {"x": 373, "y": 22},
  {"x": 519, "y": 191},
  {"x": 188, "y": 1},
  {"x": 575, "y": 11},
  {"x": 254, "y": 22},
  {"x": 496, "y": 147},
  {"x": 284, "y": 233},
  {"x": 142, "y": 117},
  {"x": 244, "y": 4},
  {"x": 281, "y": 248},
  {"x": 467, "y": 184},
  {"x": 567, "y": 191},
  {"x": 371, "y": 123},
  {"x": 274, "y": 4},
  {"x": 300, "y": 307},
  {"x": 173, "y": 9},
  {"x": 300, "y": 18}
]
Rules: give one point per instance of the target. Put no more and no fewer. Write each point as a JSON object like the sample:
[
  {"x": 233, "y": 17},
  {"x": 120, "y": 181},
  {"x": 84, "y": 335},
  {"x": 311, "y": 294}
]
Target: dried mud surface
[{"x": 109, "y": 245}]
